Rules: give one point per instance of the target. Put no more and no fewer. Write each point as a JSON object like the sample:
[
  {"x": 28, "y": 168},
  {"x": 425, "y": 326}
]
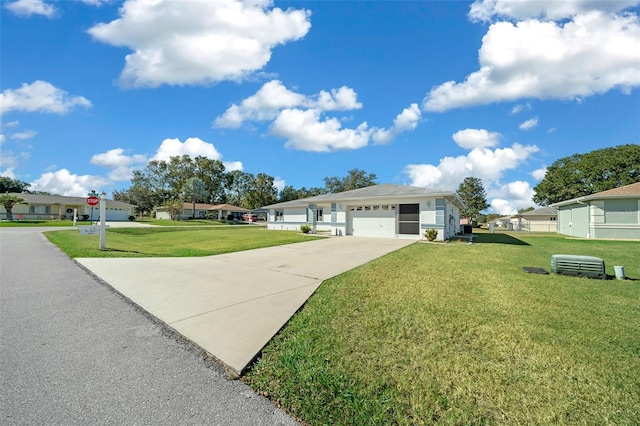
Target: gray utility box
[{"x": 580, "y": 266}]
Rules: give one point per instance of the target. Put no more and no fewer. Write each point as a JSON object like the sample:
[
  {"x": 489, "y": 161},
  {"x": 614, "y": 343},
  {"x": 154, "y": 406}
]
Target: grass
[
  {"x": 190, "y": 222},
  {"x": 171, "y": 241},
  {"x": 31, "y": 223},
  {"x": 459, "y": 334}
]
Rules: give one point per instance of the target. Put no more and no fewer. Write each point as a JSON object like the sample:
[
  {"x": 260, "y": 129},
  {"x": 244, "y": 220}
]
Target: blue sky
[{"x": 420, "y": 93}]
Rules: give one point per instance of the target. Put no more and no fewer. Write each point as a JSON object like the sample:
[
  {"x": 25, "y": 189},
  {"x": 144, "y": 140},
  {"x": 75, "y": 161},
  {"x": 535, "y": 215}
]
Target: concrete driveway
[{"x": 231, "y": 305}]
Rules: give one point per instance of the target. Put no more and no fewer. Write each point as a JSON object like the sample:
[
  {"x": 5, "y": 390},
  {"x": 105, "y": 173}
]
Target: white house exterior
[
  {"x": 214, "y": 211},
  {"x": 543, "y": 219},
  {"x": 62, "y": 207},
  {"x": 390, "y": 211},
  {"x": 611, "y": 214}
]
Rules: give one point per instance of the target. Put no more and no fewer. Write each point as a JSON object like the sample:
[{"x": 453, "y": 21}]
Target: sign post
[
  {"x": 93, "y": 200},
  {"x": 103, "y": 214}
]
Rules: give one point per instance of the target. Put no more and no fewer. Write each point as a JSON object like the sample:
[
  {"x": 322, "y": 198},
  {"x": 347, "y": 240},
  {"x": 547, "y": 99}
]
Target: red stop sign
[{"x": 93, "y": 201}]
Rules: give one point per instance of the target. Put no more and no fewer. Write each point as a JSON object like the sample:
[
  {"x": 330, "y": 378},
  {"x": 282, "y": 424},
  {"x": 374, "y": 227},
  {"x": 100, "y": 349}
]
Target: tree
[
  {"x": 584, "y": 174},
  {"x": 474, "y": 197},
  {"x": 354, "y": 180},
  {"x": 261, "y": 192},
  {"x": 12, "y": 185},
  {"x": 194, "y": 190},
  {"x": 8, "y": 201},
  {"x": 174, "y": 207},
  {"x": 238, "y": 184}
]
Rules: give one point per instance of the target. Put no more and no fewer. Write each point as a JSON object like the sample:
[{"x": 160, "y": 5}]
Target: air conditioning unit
[{"x": 580, "y": 266}]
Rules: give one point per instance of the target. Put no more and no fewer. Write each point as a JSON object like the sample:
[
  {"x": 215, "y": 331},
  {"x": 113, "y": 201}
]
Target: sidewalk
[{"x": 231, "y": 305}]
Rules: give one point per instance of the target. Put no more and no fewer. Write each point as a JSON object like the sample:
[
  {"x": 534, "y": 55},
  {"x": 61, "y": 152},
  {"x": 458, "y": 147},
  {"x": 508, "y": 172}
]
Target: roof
[
  {"x": 204, "y": 206},
  {"x": 542, "y": 211},
  {"x": 626, "y": 191},
  {"x": 228, "y": 207},
  {"x": 63, "y": 199},
  {"x": 383, "y": 191}
]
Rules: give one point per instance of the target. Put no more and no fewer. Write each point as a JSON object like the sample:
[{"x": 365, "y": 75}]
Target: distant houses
[{"x": 49, "y": 207}]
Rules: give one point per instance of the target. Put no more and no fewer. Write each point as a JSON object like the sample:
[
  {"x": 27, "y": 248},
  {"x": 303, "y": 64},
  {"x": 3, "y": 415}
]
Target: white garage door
[
  {"x": 369, "y": 221},
  {"x": 117, "y": 214}
]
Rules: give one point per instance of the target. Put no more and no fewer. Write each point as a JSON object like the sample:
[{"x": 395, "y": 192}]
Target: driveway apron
[{"x": 231, "y": 305}]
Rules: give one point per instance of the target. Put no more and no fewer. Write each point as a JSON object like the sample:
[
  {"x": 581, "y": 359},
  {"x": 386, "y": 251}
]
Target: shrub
[
  {"x": 132, "y": 218},
  {"x": 305, "y": 229},
  {"x": 431, "y": 234}
]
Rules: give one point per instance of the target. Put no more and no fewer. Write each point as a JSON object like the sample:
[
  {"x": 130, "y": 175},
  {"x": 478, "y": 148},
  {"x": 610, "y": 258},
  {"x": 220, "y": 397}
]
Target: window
[
  {"x": 319, "y": 215},
  {"x": 621, "y": 211},
  {"x": 40, "y": 209},
  {"x": 279, "y": 213}
]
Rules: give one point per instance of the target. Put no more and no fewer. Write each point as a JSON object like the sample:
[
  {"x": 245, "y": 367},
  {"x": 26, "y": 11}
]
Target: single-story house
[
  {"x": 38, "y": 206},
  {"x": 608, "y": 214},
  {"x": 543, "y": 219},
  {"x": 203, "y": 210},
  {"x": 393, "y": 211}
]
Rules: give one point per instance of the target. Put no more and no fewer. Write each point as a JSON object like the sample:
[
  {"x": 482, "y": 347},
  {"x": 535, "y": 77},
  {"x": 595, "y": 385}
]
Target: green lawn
[
  {"x": 38, "y": 223},
  {"x": 458, "y": 334},
  {"x": 171, "y": 241}
]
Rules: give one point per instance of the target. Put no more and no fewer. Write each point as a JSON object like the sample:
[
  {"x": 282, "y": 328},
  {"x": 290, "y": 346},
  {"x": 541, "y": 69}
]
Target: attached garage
[
  {"x": 383, "y": 211},
  {"x": 371, "y": 221}
]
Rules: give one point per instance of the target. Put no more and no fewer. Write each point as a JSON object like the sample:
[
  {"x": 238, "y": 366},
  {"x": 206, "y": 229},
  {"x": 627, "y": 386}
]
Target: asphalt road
[{"x": 72, "y": 351}]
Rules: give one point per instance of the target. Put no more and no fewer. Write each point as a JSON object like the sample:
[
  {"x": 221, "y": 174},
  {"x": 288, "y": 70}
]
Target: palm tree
[{"x": 8, "y": 201}]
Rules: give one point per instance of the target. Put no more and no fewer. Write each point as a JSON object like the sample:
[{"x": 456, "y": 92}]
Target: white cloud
[
  {"x": 300, "y": 118},
  {"x": 11, "y": 124},
  {"x": 485, "y": 10},
  {"x": 539, "y": 174},
  {"x": 407, "y": 120},
  {"x": 191, "y": 147},
  {"x": 273, "y": 97},
  {"x": 592, "y": 54},
  {"x": 62, "y": 182},
  {"x": 27, "y": 8},
  {"x": 509, "y": 198},
  {"x": 198, "y": 42},
  {"x": 520, "y": 107},
  {"x": 40, "y": 96},
  {"x": 121, "y": 165},
  {"x": 27, "y": 134},
  {"x": 230, "y": 166},
  {"x": 529, "y": 124},
  {"x": 305, "y": 130},
  {"x": 476, "y": 138},
  {"x": 483, "y": 163},
  {"x": 2, "y": 138},
  {"x": 279, "y": 183},
  {"x": 552, "y": 130}
]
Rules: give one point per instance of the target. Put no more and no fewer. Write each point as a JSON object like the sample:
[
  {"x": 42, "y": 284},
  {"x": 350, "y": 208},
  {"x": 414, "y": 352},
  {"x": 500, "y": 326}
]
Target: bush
[
  {"x": 305, "y": 229},
  {"x": 431, "y": 234},
  {"x": 132, "y": 218}
]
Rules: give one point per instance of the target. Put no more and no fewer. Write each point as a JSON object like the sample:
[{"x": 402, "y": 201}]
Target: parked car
[{"x": 248, "y": 217}]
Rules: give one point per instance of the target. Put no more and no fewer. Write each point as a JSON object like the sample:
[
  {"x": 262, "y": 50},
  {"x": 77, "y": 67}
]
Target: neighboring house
[
  {"x": 61, "y": 207},
  {"x": 376, "y": 211},
  {"x": 214, "y": 211},
  {"x": 543, "y": 219},
  {"x": 609, "y": 214}
]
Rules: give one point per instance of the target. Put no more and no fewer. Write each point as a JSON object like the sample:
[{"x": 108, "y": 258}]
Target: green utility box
[{"x": 580, "y": 266}]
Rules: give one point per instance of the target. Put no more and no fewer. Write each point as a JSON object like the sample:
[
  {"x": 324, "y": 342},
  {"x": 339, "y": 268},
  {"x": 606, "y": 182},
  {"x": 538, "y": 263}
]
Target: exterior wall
[
  {"x": 540, "y": 224},
  {"x": 609, "y": 221},
  {"x": 573, "y": 220},
  {"x": 37, "y": 211},
  {"x": 434, "y": 213}
]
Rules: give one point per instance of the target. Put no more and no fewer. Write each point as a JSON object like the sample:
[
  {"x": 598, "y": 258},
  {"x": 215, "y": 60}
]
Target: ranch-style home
[
  {"x": 203, "y": 210},
  {"x": 543, "y": 219},
  {"x": 608, "y": 214},
  {"x": 392, "y": 211},
  {"x": 61, "y": 207}
]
